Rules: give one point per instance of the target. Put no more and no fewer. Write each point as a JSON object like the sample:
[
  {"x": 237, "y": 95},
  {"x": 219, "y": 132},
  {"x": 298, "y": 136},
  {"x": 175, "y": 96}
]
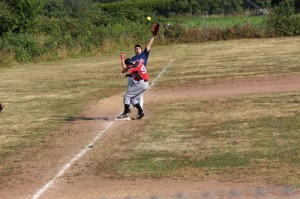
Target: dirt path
[
  {"x": 79, "y": 181},
  {"x": 232, "y": 87}
]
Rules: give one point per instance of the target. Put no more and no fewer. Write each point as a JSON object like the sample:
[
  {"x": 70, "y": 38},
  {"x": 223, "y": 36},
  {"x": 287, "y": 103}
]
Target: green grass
[{"x": 218, "y": 21}]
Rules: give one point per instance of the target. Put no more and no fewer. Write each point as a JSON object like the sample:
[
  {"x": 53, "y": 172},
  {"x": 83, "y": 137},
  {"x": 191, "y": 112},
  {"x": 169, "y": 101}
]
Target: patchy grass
[
  {"x": 39, "y": 98},
  {"x": 201, "y": 63},
  {"x": 246, "y": 138},
  {"x": 235, "y": 139}
]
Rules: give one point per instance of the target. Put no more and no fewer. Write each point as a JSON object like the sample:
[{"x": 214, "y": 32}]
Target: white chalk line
[
  {"x": 87, "y": 148},
  {"x": 162, "y": 72},
  {"x": 68, "y": 165}
]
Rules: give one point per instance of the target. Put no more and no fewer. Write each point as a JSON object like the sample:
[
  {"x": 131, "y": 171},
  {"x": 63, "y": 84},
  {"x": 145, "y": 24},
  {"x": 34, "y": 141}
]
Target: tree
[
  {"x": 297, "y": 5},
  {"x": 231, "y": 6},
  {"x": 276, "y": 2},
  {"x": 77, "y": 8},
  {"x": 24, "y": 13},
  {"x": 54, "y": 8},
  {"x": 194, "y": 6},
  {"x": 6, "y": 18},
  {"x": 182, "y": 6},
  {"x": 263, "y": 3}
]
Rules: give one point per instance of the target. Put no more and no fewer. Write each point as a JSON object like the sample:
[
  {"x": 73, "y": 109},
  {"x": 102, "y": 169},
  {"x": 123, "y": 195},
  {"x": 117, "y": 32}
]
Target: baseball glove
[
  {"x": 155, "y": 28},
  {"x": 1, "y": 107}
]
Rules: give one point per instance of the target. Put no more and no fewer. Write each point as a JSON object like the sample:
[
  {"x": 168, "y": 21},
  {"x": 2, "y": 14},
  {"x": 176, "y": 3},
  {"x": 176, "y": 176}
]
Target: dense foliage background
[{"x": 33, "y": 30}]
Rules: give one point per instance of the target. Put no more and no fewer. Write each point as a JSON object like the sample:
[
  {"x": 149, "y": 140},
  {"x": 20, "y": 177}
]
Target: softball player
[
  {"x": 139, "y": 54},
  {"x": 139, "y": 73}
]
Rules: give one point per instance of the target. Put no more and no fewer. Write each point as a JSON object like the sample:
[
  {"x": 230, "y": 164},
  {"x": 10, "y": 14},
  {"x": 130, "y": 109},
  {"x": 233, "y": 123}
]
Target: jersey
[
  {"x": 139, "y": 71},
  {"x": 144, "y": 55}
]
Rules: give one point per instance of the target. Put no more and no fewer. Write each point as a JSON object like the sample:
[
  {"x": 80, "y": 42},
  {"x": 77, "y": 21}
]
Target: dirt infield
[{"x": 80, "y": 181}]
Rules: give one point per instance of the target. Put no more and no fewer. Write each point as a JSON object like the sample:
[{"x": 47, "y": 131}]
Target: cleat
[
  {"x": 140, "y": 115},
  {"x": 123, "y": 116}
]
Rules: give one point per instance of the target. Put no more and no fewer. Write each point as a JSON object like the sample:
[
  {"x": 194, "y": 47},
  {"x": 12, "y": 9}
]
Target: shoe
[
  {"x": 124, "y": 116},
  {"x": 140, "y": 115}
]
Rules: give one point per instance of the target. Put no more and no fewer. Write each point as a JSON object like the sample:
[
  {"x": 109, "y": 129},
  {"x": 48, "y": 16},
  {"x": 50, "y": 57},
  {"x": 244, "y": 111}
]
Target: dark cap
[{"x": 128, "y": 61}]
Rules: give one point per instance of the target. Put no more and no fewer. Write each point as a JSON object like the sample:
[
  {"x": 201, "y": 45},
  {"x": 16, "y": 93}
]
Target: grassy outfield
[
  {"x": 39, "y": 98},
  {"x": 244, "y": 138},
  {"x": 201, "y": 63},
  {"x": 233, "y": 139}
]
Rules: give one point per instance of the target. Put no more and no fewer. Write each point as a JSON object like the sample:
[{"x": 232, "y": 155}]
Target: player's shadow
[{"x": 71, "y": 118}]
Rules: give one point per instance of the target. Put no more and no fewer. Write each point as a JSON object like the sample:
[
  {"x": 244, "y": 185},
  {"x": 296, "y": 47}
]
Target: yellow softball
[{"x": 148, "y": 18}]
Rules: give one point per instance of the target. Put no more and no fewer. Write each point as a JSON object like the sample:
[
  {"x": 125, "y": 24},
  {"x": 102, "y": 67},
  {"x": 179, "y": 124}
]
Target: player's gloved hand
[{"x": 155, "y": 27}]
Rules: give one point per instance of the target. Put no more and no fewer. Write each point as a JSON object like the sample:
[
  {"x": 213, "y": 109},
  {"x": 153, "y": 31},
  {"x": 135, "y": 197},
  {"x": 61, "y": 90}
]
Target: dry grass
[
  {"x": 234, "y": 139},
  {"x": 246, "y": 138},
  {"x": 39, "y": 98},
  {"x": 196, "y": 63}
]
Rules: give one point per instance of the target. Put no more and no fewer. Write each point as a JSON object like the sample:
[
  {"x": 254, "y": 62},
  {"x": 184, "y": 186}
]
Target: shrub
[
  {"x": 6, "y": 18},
  {"x": 174, "y": 32},
  {"x": 24, "y": 13},
  {"x": 24, "y": 47},
  {"x": 283, "y": 21},
  {"x": 54, "y": 9}
]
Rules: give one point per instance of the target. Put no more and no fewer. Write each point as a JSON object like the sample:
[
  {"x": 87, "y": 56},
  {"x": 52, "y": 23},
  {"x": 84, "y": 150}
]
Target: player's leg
[
  {"x": 139, "y": 88},
  {"x": 141, "y": 100},
  {"x": 133, "y": 94},
  {"x": 130, "y": 83},
  {"x": 125, "y": 113}
]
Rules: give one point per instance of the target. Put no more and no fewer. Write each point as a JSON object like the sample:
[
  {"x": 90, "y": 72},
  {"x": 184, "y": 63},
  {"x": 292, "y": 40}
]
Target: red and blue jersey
[{"x": 139, "y": 71}]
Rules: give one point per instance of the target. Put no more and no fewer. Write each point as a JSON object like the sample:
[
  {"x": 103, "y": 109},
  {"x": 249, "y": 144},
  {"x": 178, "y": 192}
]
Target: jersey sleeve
[{"x": 140, "y": 70}]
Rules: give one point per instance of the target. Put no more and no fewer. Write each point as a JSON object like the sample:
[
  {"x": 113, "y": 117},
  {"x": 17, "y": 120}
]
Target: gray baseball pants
[{"x": 135, "y": 91}]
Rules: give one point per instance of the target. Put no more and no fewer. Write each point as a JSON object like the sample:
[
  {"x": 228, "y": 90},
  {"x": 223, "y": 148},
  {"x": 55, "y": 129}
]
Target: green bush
[
  {"x": 24, "y": 13},
  {"x": 24, "y": 47},
  {"x": 283, "y": 21},
  {"x": 65, "y": 28},
  {"x": 54, "y": 9},
  {"x": 174, "y": 33},
  {"x": 6, "y": 18},
  {"x": 136, "y": 10}
]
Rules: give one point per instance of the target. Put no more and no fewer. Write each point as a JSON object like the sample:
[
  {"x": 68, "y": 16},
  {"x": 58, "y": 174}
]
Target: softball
[{"x": 148, "y": 18}]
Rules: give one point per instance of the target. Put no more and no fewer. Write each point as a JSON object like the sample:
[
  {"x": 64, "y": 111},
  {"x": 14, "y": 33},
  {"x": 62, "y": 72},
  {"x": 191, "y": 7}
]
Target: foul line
[
  {"x": 87, "y": 148},
  {"x": 162, "y": 72},
  {"x": 68, "y": 165}
]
